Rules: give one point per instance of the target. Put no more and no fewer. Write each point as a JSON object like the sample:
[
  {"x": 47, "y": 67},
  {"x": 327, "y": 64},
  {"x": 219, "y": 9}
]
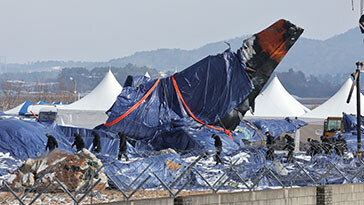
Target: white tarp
[
  {"x": 81, "y": 118},
  {"x": 275, "y": 101},
  {"x": 35, "y": 108},
  {"x": 336, "y": 105}
]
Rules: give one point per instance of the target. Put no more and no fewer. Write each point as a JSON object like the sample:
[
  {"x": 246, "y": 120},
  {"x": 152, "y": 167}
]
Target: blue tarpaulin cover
[
  {"x": 278, "y": 127},
  {"x": 42, "y": 103},
  {"x": 57, "y": 103},
  {"x": 350, "y": 123},
  {"x": 211, "y": 88},
  {"x": 26, "y": 139},
  {"x": 24, "y": 108},
  {"x": 136, "y": 80}
]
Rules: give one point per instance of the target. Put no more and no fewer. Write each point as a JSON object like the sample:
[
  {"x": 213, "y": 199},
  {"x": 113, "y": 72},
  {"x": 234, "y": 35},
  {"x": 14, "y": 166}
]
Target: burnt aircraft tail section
[{"x": 262, "y": 53}]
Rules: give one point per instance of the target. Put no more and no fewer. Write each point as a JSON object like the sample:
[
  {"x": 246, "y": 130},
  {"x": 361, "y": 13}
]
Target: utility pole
[
  {"x": 358, "y": 113},
  {"x": 356, "y": 76}
]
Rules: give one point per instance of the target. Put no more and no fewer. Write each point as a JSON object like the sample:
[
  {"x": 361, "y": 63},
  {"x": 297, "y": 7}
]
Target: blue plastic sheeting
[
  {"x": 247, "y": 131},
  {"x": 278, "y": 127},
  {"x": 351, "y": 140},
  {"x": 109, "y": 141},
  {"x": 135, "y": 81},
  {"x": 125, "y": 173},
  {"x": 211, "y": 88},
  {"x": 350, "y": 123},
  {"x": 57, "y": 103},
  {"x": 248, "y": 161},
  {"x": 187, "y": 140},
  {"x": 7, "y": 164},
  {"x": 198, "y": 139},
  {"x": 42, "y": 103},
  {"x": 24, "y": 108},
  {"x": 26, "y": 139}
]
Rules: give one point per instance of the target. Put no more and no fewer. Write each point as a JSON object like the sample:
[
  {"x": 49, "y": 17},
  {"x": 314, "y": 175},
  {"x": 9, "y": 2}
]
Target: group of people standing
[
  {"x": 327, "y": 146},
  {"x": 80, "y": 144},
  {"x": 289, "y": 146},
  {"x": 270, "y": 148}
]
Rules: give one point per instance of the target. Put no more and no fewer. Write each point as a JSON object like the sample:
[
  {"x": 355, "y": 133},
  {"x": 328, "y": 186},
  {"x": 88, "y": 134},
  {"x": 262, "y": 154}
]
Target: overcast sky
[{"x": 90, "y": 30}]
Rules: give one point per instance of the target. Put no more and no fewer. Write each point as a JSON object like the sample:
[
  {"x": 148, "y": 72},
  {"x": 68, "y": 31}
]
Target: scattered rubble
[
  {"x": 73, "y": 170},
  {"x": 173, "y": 166}
]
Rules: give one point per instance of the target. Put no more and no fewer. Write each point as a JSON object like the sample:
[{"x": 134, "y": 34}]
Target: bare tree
[{"x": 11, "y": 93}]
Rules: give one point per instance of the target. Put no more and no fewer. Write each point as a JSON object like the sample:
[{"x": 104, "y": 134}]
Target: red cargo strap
[
  {"x": 34, "y": 115},
  {"x": 228, "y": 132},
  {"x": 134, "y": 106}
]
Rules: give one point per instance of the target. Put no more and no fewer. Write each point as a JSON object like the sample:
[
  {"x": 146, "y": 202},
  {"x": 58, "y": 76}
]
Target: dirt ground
[{"x": 103, "y": 197}]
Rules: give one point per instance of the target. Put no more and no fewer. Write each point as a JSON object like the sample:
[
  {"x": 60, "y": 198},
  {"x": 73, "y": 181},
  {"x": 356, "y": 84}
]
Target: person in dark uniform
[
  {"x": 290, "y": 147},
  {"x": 314, "y": 147},
  {"x": 122, "y": 147},
  {"x": 343, "y": 143},
  {"x": 335, "y": 145},
  {"x": 218, "y": 146},
  {"x": 80, "y": 144},
  {"x": 326, "y": 145},
  {"x": 51, "y": 143},
  {"x": 96, "y": 142},
  {"x": 270, "y": 149},
  {"x": 340, "y": 145}
]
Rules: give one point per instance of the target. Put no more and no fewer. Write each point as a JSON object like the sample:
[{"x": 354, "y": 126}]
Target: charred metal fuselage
[{"x": 262, "y": 53}]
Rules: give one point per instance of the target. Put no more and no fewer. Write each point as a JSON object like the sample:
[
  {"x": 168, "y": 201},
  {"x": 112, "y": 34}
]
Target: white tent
[
  {"x": 336, "y": 105},
  {"x": 147, "y": 75},
  {"x": 15, "y": 110},
  {"x": 90, "y": 110},
  {"x": 101, "y": 98},
  {"x": 275, "y": 101}
]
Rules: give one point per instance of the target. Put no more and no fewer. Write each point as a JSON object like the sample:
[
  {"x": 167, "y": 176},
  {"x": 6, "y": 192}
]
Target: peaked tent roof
[
  {"x": 147, "y": 75},
  {"x": 275, "y": 101},
  {"x": 20, "y": 109},
  {"x": 336, "y": 105},
  {"x": 99, "y": 99}
]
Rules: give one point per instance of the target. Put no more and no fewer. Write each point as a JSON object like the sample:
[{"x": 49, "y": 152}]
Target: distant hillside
[
  {"x": 335, "y": 55},
  {"x": 170, "y": 59}
]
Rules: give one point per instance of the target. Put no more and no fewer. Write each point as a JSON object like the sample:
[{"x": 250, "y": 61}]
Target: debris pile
[{"x": 74, "y": 171}]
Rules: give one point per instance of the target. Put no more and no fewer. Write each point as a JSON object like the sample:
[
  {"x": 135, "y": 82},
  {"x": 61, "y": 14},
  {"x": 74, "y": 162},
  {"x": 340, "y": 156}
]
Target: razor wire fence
[{"x": 153, "y": 178}]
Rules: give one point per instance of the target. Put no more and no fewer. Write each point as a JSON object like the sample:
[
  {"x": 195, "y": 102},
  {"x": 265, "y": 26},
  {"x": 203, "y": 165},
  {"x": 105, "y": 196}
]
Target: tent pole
[{"x": 297, "y": 141}]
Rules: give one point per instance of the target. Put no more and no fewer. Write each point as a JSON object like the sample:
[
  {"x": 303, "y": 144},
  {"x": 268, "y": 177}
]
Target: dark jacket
[
  {"x": 315, "y": 146},
  {"x": 290, "y": 143},
  {"x": 326, "y": 145},
  {"x": 218, "y": 142},
  {"x": 51, "y": 143},
  {"x": 96, "y": 142},
  {"x": 270, "y": 140},
  {"x": 80, "y": 144},
  {"x": 122, "y": 146}
]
